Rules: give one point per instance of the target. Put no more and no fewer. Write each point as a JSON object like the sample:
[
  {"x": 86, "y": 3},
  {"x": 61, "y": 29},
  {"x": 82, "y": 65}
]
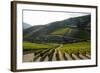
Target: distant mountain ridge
[
  {"x": 72, "y": 29},
  {"x": 25, "y": 25}
]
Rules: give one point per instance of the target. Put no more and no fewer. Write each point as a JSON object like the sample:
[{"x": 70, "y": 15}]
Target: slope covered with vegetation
[{"x": 68, "y": 39}]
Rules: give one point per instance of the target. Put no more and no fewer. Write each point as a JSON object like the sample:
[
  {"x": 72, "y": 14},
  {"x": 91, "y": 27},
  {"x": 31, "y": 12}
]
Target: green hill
[
  {"x": 61, "y": 31},
  {"x": 77, "y": 28}
]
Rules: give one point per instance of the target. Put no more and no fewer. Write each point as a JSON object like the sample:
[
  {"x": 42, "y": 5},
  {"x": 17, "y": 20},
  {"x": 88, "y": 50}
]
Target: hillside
[
  {"x": 25, "y": 25},
  {"x": 68, "y": 30}
]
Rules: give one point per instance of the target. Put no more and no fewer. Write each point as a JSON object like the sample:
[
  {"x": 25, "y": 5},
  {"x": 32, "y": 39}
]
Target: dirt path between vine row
[{"x": 28, "y": 57}]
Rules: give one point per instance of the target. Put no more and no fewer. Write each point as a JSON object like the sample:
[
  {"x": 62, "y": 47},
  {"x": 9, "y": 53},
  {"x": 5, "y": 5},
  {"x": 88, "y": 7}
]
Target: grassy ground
[
  {"x": 37, "y": 46},
  {"x": 76, "y": 48},
  {"x": 61, "y": 31}
]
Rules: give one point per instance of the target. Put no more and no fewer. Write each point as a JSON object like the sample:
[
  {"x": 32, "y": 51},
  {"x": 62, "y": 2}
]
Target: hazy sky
[{"x": 43, "y": 17}]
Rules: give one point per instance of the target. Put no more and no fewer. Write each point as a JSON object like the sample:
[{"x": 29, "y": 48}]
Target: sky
[{"x": 44, "y": 17}]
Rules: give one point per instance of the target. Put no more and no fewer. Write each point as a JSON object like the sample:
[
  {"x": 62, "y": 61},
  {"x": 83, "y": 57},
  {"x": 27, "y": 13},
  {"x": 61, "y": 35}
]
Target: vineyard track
[
  {"x": 82, "y": 57},
  {"x": 60, "y": 55},
  {"x": 75, "y": 57},
  {"x": 89, "y": 57},
  {"x": 54, "y": 55},
  {"x": 28, "y": 57},
  {"x": 67, "y": 56}
]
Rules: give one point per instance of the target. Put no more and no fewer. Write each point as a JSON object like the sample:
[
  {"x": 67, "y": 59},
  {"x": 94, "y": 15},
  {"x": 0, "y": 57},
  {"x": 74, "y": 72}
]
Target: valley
[{"x": 65, "y": 40}]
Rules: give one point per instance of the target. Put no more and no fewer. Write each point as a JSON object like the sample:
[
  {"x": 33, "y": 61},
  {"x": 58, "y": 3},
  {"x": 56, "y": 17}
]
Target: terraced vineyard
[{"x": 56, "y": 52}]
